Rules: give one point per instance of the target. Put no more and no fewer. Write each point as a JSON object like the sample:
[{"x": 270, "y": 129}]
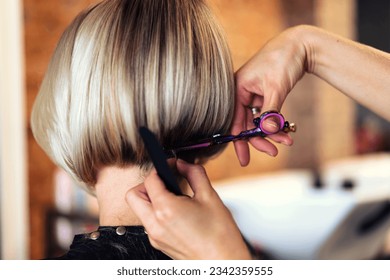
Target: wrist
[
  {"x": 308, "y": 38},
  {"x": 301, "y": 45}
]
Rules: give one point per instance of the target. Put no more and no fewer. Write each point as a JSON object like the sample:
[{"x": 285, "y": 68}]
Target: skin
[
  {"x": 359, "y": 71},
  {"x": 178, "y": 225},
  {"x": 162, "y": 213},
  {"x": 113, "y": 210}
]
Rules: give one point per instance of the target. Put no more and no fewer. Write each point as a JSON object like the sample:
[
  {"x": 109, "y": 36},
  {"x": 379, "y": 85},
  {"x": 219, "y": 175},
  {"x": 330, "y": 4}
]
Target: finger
[
  {"x": 249, "y": 117},
  {"x": 172, "y": 163},
  {"x": 244, "y": 95},
  {"x": 141, "y": 192},
  {"x": 257, "y": 102},
  {"x": 156, "y": 188},
  {"x": 271, "y": 124},
  {"x": 239, "y": 124},
  {"x": 196, "y": 177},
  {"x": 243, "y": 100},
  {"x": 264, "y": 145},
  {"x": 242, "y": 151},
  {"x": 141, "y": 207},
  {"x": 282, "y": 137},
  {"x": 272, "y": 102},
  {"x": 239, "y": 119}
]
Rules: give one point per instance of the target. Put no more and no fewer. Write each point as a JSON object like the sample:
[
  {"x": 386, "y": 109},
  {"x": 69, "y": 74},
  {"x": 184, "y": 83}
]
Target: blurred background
[{"x": 41, "y": 208}]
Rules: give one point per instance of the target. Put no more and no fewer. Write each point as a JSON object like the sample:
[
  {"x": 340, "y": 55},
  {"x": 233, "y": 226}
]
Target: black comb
[{"x": 159, "y": 159}]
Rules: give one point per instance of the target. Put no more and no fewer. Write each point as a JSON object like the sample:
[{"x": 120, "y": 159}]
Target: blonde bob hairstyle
[{"x": 122, "y": 64}]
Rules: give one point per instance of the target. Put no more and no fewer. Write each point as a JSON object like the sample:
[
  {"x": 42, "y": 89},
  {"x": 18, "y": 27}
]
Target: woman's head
[{"x": 123, "y": 64}]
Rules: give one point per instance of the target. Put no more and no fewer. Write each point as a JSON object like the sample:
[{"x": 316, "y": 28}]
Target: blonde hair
[{"x": 122, "y": 64}]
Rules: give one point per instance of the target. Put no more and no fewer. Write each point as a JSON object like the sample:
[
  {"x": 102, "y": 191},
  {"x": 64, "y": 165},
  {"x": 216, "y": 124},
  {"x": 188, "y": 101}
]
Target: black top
[
  {"x": 122, "y": 243},
  {"x": 113, "y": 243}
]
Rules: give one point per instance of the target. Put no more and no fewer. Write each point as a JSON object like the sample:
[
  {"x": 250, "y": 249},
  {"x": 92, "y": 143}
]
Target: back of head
[{"x": 123, "y": 64}]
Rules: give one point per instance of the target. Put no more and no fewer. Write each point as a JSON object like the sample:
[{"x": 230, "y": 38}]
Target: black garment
[
  {"x": 122, "y": 243},
  {"x": 113, "y": 243}
]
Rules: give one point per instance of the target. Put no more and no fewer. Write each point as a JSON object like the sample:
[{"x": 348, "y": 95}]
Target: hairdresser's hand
[
  {"x": 200, "y": 227},
  {"x": 264, "y": 82}
]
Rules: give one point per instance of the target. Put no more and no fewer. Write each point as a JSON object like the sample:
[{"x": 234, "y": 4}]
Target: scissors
[
  {"x": 159, "y": 158},
  {"x": 258, "y": 130}
]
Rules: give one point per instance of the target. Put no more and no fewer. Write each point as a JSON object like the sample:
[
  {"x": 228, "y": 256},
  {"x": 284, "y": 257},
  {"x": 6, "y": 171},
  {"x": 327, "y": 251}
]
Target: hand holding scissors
[{"x": 259, "y": 130}]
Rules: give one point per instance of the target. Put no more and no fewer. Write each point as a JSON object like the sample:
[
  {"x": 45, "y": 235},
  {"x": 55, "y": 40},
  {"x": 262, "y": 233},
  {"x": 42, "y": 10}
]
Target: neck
[{"x": 112, "y": 184}]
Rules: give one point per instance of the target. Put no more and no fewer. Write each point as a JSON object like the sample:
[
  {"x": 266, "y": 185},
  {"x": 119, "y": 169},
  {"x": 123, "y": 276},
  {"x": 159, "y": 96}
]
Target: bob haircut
[{"x": 122, "y": 64}]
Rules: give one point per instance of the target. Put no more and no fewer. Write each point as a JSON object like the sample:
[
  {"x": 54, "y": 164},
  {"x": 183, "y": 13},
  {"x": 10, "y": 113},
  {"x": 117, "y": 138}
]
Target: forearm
[{"x": 359, "y": 71}]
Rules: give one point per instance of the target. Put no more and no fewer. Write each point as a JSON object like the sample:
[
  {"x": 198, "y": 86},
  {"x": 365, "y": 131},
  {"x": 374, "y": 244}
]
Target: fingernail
[
  {"x": 242, "y": 163},
  {"x": 271, "y": 154},
  {"x": 272, "y": 123}
]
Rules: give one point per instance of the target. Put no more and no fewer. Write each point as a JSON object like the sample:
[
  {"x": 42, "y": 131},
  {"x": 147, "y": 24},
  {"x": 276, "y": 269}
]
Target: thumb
[
  {"x": 272, "y": 103},
  {"x": 138, "y": 200},
  {"x": 197, "y": 179}
]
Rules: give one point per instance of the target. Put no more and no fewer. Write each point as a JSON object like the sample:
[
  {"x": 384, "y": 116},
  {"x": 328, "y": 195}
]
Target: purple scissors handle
[
  {"x": 258, "y": 130},
  {"x": 277, "y": 117}
]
